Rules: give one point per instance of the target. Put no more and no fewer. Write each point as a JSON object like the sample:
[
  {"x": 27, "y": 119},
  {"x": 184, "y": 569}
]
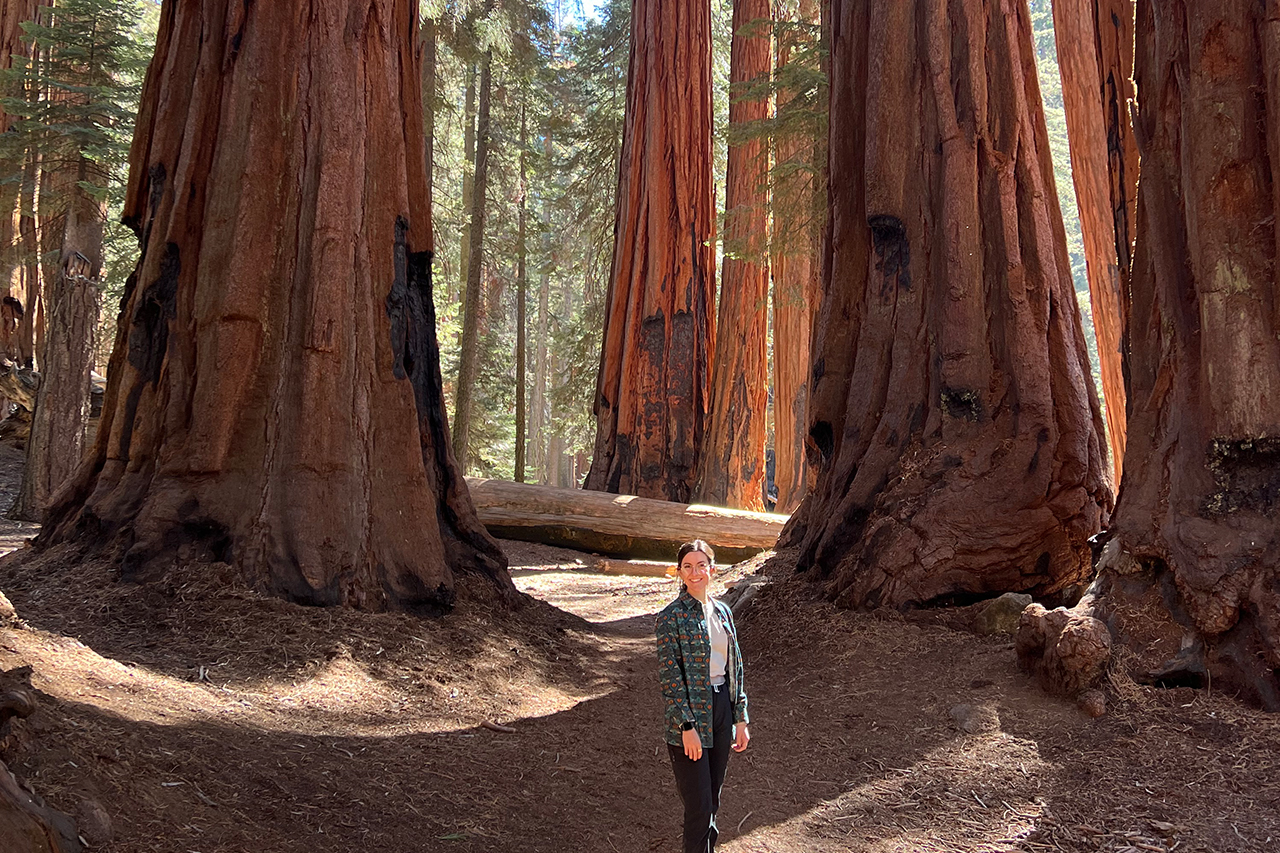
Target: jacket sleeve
[
  {"x": 740, "y": 701},
  {"x": 671, "y": 671}
]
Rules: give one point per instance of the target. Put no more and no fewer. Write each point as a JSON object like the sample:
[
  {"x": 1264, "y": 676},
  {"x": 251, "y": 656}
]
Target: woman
[{"x": 700, "y": 668}]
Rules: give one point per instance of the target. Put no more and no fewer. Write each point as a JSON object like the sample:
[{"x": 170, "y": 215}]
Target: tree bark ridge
[
  {"x": 731, "y": 467},
  {"x": 652, "y": 391}
]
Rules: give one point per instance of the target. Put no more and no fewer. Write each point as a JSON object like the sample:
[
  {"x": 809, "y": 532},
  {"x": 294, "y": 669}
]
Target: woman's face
[{"x": 695, "y": 572}]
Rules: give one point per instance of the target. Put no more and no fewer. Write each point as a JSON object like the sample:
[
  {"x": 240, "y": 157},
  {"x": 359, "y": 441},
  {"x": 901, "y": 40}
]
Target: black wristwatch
[{"x": 687, "y": 726}]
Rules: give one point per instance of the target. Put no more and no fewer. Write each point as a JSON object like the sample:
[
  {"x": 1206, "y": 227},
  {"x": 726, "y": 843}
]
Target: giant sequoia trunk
[
  {"x": 797, "y": 270},
  {"x": 731, "y": 467},
  {"x": 651, "y": 395},
  {"x": 1191, "y": 576},
  {"x": 953, "y": 418},
  {"x": 1095, "y": 57},
  {"x": 274, "y": 394}
]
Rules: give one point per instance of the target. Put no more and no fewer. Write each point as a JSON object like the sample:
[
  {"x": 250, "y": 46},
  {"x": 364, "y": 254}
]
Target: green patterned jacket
[{"x": 684, "y": 660}]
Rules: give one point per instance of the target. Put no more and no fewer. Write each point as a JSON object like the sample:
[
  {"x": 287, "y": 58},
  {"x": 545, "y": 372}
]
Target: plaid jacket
[{"x": 684, "y": 661}]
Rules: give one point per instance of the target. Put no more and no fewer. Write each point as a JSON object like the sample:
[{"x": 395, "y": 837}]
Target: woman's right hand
[{"x": 692, "y": 744}]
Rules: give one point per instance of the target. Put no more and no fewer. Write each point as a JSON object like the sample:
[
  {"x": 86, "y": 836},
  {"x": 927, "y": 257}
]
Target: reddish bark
[
  {"x": 274, "y": 394},
  {"x": 1191, "y": 579},
  {"x": 651, "y": 395},
  {"x": 12, "y": 14},
  {"x": 57, "y": 439},
  {"x": 31, "y": 327},
  {"x": 953, "y": 419},
  {"x": 797, "y": 273},
  {"x": 1095, "y": 58},
  {"x": 731, "y": 466}
]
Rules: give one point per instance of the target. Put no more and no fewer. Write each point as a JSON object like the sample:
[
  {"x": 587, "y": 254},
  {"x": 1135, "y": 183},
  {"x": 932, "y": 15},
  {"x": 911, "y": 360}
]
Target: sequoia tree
[
  {"x": 1190, "y": 579},
  {"x": 731, "y": 466},
  {"x": 953, "y": 421},
  {"x": 18, "y": 340},
  {"x": 1095, "y": 56},
  {"x": 796, "y": 243},
  {"x": 651, "y": 394},
  {"x": 274, "y": 396}
]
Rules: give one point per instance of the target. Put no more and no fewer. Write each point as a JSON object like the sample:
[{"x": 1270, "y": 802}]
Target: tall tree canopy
[
  {"x": 952, "y": 414},
  {"x": 274, "y": 397}
]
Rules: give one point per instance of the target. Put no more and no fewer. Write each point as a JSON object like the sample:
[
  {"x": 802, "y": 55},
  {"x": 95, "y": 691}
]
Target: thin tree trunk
[
  {"x": 732, "y": 465},
  {"x": 468, "y": 180},
  {"x": 1190, "y": 579},
  {"x": 428, "y": 41},
  {"x": 522, "y": 295},
  {"x": 274, "y": 396},
  {"x": 56, "y": 443},
  {"x": 651, "y": 395},
  {"x": 30, "y": 331},
  {"x": 796, "y": 279},
  {"x": 1095, "y": 58},
  {"x": 469, "y": 355},
  {"x": 952, "y": 408},
  {"x": 538, "y": 399}
]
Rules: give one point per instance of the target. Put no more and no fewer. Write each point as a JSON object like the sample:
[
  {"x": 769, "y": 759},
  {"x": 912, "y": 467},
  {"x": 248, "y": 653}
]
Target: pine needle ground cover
[{"x": 203, "y": 717}]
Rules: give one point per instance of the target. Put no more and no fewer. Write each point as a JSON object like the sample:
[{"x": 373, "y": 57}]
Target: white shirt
[{"x": 719, "y": 643}]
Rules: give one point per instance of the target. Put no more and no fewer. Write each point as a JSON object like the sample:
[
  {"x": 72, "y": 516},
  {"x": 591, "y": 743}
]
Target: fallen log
[
  {"x": 635, "y": 568},
  {"x": 618, "y": 525}
]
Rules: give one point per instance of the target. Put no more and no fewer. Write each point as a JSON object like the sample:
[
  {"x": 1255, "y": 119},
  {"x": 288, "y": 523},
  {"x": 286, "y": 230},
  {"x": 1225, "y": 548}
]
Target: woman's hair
[{"x": 696, "y": 545}]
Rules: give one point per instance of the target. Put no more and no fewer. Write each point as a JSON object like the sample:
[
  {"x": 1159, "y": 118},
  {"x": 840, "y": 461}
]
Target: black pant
[{"x": 699, "y": 782}]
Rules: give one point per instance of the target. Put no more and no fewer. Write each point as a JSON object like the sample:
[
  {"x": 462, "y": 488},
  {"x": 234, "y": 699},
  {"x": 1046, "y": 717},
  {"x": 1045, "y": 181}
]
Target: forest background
[{"x": 557, "y": 99}]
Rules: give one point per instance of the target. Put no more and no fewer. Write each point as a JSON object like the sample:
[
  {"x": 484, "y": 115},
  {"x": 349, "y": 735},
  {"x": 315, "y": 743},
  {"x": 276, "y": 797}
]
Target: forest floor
[{"x": 204, "y": 718}]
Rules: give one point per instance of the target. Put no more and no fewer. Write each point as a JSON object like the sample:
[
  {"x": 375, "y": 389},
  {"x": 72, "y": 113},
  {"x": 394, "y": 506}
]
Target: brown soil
[{"x": 206, "y": 718}]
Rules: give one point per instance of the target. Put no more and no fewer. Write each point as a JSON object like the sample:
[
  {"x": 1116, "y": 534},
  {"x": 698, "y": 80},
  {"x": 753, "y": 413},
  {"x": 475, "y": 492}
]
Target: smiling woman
[{"x": 700, "y": 668}]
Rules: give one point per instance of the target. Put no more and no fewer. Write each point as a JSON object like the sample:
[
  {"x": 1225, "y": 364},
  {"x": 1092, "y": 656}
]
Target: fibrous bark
[
  {"x": 57, "y": 439},
  {"x": 952, "y": 415},
  {"x": 274, "y": 396},
  {"x": 651, "y": 395},
  {"x": 797, "y": 272},
  {"x": 12, "y": 14},
  {"x": 731, "y": 465},
  {"x": 1190, "y": 579},
  {"x": 1095, "y": 57}
]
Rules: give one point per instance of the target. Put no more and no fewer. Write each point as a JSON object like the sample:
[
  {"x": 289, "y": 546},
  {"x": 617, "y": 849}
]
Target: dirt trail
[{"x": 206, "y": 718}]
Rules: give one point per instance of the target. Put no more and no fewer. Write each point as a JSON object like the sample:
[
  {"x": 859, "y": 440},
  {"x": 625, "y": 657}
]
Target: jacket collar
[{"x": 687, "y": 599}]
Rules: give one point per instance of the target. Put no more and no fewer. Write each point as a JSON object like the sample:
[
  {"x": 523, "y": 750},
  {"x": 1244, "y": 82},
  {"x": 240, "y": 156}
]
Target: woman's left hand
[{"x": 741, "y": 737}]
